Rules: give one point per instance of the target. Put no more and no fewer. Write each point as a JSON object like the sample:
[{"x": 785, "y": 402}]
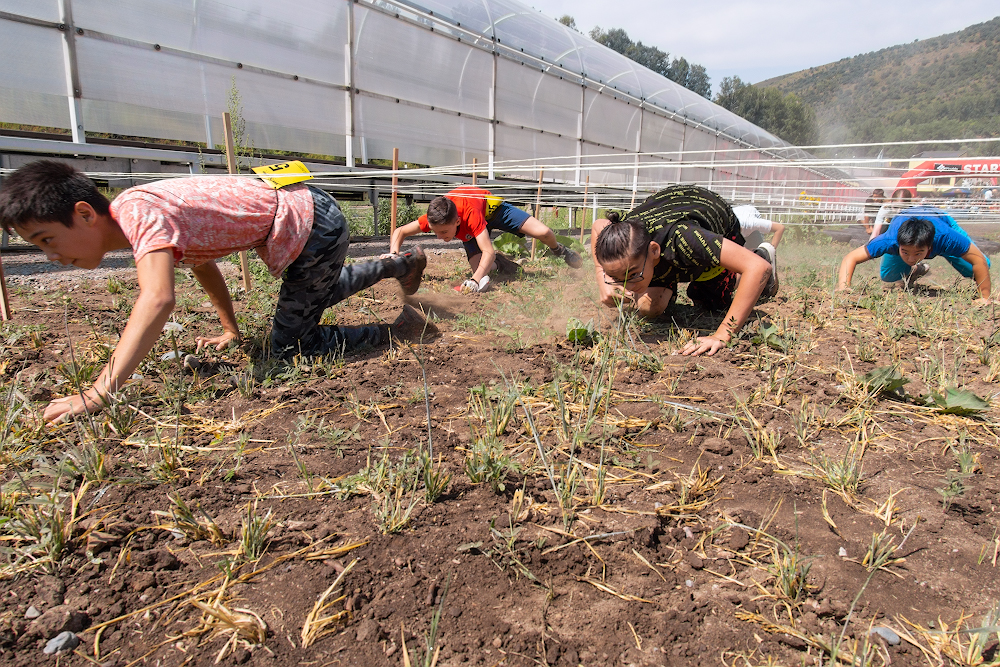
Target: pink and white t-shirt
[{"x": 202, "y": 218}]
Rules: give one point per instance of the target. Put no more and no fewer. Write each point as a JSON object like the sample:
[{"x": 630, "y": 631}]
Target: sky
[{"x": 759, "y": 39}]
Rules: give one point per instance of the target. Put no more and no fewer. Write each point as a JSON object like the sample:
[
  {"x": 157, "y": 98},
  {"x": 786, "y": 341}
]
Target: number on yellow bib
[
  {"x": 286, "y": 173},
  {"x": 492, "y": 204}
]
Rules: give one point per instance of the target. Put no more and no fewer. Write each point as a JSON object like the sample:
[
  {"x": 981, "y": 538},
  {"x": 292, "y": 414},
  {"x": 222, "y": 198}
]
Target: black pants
[{"x": 318, "y": 279}]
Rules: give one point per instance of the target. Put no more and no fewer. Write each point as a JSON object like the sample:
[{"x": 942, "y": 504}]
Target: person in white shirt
[{"x": 751, "y": 221}]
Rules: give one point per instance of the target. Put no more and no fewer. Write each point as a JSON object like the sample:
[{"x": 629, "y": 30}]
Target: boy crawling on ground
[
  {"x": 918, "y": 233},
  {"x": 298, "y": 231},
  {"x": 468, "y": 213}
]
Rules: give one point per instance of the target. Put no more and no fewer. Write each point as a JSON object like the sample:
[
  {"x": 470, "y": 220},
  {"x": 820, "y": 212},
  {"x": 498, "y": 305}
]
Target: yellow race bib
[
  {"x": 492, "y": 204},
  {"x": 286, "y": 173},
  {"x": 711, "y": 273}
]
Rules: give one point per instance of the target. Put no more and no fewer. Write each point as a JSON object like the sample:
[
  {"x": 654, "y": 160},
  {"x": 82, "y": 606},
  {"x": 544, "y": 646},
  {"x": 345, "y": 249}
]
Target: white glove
[
  {"x": 389, "y": 255},
  {"x": 470, "y": 285}
]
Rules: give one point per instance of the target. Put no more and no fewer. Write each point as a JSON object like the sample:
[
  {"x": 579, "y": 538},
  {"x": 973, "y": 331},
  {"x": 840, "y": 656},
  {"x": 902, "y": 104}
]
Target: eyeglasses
[{"x": 630, "y": 278}]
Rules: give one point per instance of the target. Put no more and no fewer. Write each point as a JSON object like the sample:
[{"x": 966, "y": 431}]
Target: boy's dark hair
[
  {"x": 441, "y": 211},
  {"x": 917, "y": 232},
  {"x": 622, "y": 239},
  {"x": 47, "y": 191}
]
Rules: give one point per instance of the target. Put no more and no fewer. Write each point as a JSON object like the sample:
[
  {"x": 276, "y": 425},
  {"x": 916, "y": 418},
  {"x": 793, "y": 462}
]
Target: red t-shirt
[
  {"x": 471, "y": 204},
  {"x": 207, "y": 217}
]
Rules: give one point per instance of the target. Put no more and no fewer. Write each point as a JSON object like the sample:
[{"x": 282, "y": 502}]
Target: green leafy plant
[
  {"x": 510, "y": 245},
  {"x": 769, "y": 334},
  {"x": 580, "y": 333},
  {"x": 956, "y": 401},
  {"x": 885, "y": 381}
]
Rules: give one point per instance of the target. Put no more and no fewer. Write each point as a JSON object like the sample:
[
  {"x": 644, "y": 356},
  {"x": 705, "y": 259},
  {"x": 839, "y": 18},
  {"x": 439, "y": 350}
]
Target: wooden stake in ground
[
  {"x": 227, "y": 124},
  {"x": 395, "y": 181},
  {"x": 5, "y": 313},
  {"x": 538, "y": 209},
  {"x": 474, "y": 164},
  {"x": 583, "y": 213}
]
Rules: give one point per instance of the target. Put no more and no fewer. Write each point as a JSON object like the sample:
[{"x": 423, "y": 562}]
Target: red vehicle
[{"x": 947, "y": 171}]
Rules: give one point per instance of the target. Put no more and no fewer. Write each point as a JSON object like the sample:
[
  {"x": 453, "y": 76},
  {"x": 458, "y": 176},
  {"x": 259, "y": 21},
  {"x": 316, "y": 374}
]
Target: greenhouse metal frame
[{"x": 445, "y": 82}]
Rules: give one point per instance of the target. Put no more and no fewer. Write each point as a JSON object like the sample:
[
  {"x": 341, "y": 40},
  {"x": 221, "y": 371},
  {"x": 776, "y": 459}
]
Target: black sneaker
[
  {"x": 416, "y": 262},
  {"x": 766, "y": 250},
  {"x": 569, "y": 256}
]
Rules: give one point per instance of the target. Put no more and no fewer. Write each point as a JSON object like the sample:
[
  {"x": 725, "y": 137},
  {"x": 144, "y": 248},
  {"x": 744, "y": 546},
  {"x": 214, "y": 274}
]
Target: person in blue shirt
[{"x": 916, "y": 234}]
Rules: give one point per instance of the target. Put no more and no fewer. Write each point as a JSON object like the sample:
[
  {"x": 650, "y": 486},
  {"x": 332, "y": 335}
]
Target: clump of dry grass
[{"x": 318, "y": 623}]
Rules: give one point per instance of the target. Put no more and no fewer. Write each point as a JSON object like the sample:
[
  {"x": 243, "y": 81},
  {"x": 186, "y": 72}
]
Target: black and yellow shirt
[{"x": 689, "y": 223}]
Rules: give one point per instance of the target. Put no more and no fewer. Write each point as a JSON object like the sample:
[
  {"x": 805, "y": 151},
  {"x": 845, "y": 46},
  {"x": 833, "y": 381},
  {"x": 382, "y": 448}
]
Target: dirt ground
[{"x": 541, "y": 502}]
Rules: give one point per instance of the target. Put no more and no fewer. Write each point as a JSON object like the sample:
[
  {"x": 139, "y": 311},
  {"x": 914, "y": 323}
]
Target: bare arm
[
  {"x": 152, "y": 308},
  {"x": 489, "y": 255},
  {"x": 214, "y": 284},
  {"x": 847, "y": 265},
  {"x": 401, "y": 234},
  {"x": 754, "y": 273},
  {"x": 778, "y": 230},
  {"x": 980, "y": 270}
]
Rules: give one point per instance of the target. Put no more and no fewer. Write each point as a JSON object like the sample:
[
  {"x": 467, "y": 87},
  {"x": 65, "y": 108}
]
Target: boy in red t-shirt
[
  {"x": 297, "y": 230},
  {"x": 468, "y": 213}
]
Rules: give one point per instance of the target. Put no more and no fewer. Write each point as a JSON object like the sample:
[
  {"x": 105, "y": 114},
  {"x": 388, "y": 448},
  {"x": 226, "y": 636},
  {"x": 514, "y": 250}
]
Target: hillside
[{"x": 947, "y": 87}]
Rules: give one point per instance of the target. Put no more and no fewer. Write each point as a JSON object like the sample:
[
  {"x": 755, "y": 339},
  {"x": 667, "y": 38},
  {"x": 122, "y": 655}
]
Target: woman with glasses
[{"x": 683, "y": 233}]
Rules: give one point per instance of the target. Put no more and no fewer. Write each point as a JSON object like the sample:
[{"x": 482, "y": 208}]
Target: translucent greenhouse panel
[
  {"x": 656, "y": 173},
  {"x": 610, "y": 121},
  {"x": 142, "y": 121},
  {"x": 522, "y": 152},
  {"x": 400, "y": 61},
  {"x": 308, "y": 41},
  {"x": 522, "y": 28},
  {"x": 661, "y": 135},
  {"x": 46, "y": 10},
  {"x": 607, "y": 166},
  {"x": 119, "y": 73},
  {"x": 529, "y": 97},
  {"x": 422, "y": 136},
  {"x": 43, "y": 72},
  {"x": 473, "y": 15},
  {"x": 32, "y": 92},
  {"x": 698, "y": 149},
  {"x": 611, "y": 68}
]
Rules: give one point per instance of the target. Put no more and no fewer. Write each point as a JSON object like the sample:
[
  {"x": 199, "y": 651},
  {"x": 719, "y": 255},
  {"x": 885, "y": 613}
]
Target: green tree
[
  {"x": 568, "y": 21},
  {"x": 692, "y": 77},
  {"x": 782, "y": 115}
]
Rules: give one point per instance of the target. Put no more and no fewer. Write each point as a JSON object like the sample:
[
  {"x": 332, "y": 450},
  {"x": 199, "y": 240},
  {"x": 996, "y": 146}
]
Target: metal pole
[
  {"x": 583, "y": 212},
  {"x": 227, "y": 125},
  {"x": 538, "y": 209},
  {"x": 395, "y": 181}
]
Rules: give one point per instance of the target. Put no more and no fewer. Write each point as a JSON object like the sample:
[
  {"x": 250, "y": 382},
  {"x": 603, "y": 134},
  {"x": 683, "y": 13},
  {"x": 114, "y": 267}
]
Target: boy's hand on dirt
[
  {"x": 219, "y": 342},
  {"x": 707, "y": 345},
  {"x": 470, "y": 285}
]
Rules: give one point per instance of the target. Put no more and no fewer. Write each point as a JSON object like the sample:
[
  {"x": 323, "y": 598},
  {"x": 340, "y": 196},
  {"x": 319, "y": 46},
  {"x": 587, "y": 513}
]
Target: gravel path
[{"x": 29, "y": 268}]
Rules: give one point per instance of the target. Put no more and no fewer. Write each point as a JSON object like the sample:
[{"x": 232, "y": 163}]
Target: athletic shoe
[
  {"x": 416, "y": 262},
  {"x": 569, "y": 256},
  {"x": 766, "y": 250},
  {"x": 412, "y": 325}
]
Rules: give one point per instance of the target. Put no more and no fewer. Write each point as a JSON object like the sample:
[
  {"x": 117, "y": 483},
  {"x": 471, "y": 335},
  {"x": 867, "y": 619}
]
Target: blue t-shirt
[{"x": 950, "y": 240}]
